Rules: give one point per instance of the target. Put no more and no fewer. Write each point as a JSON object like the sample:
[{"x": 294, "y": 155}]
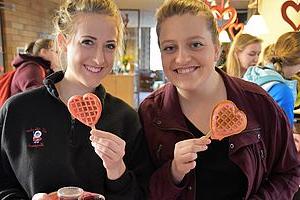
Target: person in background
[
  {"x": 275, "y": 78},
  {"x": 243, "y": 53},
  {"x": 267, "y": 55},
  {"x": 39, "y": 60},
  {"x": 49, "y": 149},
  {"x": 259, "y": 163},
  {"x": 29, "y": 48},
  {"x": 46, "y": 49}
]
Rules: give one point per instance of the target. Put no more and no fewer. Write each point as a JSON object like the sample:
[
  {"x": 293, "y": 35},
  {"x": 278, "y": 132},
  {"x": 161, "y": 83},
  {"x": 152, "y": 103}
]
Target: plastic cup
[{"x": 69, "y": 193}]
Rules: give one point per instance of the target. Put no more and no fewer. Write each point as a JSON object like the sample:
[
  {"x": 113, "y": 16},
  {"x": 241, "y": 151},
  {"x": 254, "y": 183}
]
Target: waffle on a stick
[
  {"x": 226, "y": 120},
  {"x": 87, "y": 108}
]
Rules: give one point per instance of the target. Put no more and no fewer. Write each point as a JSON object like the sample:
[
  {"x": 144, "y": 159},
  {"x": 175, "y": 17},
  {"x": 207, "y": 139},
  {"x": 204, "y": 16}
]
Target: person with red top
[
  {"x": 261, "y": 162},
  {"x": 32, "y": 67}
]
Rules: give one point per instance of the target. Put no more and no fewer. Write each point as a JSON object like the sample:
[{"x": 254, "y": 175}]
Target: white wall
[{"x": 271, "y": 11}]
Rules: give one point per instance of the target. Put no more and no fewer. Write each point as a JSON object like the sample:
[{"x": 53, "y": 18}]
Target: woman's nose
[
  {"x": 256, "y": 59},
  {"x": 99, "y": 56},
  {"x": 182, "y": 56}
]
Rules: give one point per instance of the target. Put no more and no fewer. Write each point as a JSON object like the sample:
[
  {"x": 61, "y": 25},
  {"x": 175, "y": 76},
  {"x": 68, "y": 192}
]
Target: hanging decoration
[
  {"x": 235, "y": 29},
  {"x": 219, "y": 14},
  {"x": 226, "y": 17},
  {"x": 286, "y": 18}
]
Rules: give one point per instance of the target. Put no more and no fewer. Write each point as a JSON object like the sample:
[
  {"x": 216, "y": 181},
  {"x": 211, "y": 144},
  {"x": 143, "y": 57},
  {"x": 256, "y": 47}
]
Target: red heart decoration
[
  {"x": 237, "y": 27},
  {"x": 227, "y": 120},
  {"x": 87, "y": 108},
  {"x": 284, "y": 14},
  {"x": 219, "y": 13}
]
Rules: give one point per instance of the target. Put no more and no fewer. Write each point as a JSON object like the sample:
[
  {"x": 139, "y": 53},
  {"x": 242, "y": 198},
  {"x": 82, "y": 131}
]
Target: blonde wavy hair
[
  {"x": 64, "y": 19},
  {"x": 268, "y": 54},
  {"x": 241, "y": 41}
]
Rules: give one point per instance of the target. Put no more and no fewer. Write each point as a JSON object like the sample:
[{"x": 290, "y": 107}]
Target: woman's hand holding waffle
[
  {"x": 185, "y": 155},
  {"x": 226, "y": 120},
  {"x": 111, "y": 149}
]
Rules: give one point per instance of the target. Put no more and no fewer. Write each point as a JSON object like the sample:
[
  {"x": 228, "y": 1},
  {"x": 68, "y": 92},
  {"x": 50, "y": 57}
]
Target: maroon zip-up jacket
[{"x": 265, "y": 150}]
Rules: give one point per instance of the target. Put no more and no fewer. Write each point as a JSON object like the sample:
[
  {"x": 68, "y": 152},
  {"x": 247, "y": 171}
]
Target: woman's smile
[
  {"x": 93, "y": 69},
  {"x": 186, "y": 70}
]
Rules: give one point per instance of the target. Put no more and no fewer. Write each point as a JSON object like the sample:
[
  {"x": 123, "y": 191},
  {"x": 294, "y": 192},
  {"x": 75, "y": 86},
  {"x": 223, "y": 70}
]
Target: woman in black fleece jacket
[{"x": 43, "y": 148}]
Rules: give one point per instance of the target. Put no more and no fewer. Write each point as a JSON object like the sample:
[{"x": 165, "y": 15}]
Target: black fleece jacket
[{"x": 44, "y": 149}]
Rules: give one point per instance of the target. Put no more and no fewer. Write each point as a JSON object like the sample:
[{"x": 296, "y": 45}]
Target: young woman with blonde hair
[
  {"x": 243, "y": 53},
  {"x": 43, "y": 148}
]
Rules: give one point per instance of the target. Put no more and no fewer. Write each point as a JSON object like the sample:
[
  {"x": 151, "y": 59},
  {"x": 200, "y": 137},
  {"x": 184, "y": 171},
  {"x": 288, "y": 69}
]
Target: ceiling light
[
  {"x": 224, "y": 37},
  {"x": 256, "y": 25}
]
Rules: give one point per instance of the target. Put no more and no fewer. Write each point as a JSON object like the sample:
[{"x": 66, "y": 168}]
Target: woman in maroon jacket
[
  {"x": 259, "y": 163},
  {"x": 39, "y": 61}
]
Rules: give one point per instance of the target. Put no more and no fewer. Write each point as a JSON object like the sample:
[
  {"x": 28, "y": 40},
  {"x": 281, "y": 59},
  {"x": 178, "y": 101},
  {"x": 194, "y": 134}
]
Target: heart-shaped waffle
[
  {"x": 87, "y": 108},
  {"x": 226, "y": 120}
]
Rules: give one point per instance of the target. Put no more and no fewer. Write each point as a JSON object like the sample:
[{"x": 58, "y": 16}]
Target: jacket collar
[
  {"x": 54, "y": 78},
  {"x": 169, "y": 103}
]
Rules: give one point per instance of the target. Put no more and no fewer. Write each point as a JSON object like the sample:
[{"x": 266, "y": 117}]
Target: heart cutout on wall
[
  {"x": 235, "y": 29},
  {"x": 286, "y": 18},
  {"x": 219, "y": 14}
]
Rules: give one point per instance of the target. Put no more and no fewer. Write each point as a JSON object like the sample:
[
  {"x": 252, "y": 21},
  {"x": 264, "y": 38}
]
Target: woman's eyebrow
[{"x": 89, "y": 37}]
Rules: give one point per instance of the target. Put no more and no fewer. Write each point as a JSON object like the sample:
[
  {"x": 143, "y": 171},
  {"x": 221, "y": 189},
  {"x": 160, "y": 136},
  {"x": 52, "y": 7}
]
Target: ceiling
[{"x": 153, "y": 4}]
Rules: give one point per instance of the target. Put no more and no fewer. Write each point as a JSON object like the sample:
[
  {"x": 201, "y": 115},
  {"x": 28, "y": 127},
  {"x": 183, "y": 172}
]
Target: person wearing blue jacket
[
  {"x": 282, "y": 90},
  {"x": 275, "y": 77}
]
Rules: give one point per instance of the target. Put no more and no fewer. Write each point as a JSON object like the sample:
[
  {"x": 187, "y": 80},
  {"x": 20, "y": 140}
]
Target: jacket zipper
[
  {"x": 160, "y": 146},
  {"x": 72, "y": 130},
  {"x": 158, "y": 151}
]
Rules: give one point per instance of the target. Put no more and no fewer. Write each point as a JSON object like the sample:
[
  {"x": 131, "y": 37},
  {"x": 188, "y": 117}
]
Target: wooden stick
[{"x": 208, "y": 134}]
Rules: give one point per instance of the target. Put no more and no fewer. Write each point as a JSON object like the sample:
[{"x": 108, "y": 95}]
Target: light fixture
[
  {"x": 224, "y": 37},
  {"x": 256, "y": 25}
]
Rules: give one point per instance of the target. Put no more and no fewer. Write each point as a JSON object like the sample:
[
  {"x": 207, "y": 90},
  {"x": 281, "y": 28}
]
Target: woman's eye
[
  {"x": 87, "y": 42},
  {"x": 111, "y": 46},
  {"x": 196, "y": 45},
  {"x": 168, "y": 48}
]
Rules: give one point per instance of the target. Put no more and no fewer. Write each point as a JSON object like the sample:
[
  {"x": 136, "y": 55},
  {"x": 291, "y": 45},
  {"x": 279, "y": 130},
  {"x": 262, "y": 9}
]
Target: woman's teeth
[
  {"x": 186, "y": 70},
  {"x": 93, "y": 69}
]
